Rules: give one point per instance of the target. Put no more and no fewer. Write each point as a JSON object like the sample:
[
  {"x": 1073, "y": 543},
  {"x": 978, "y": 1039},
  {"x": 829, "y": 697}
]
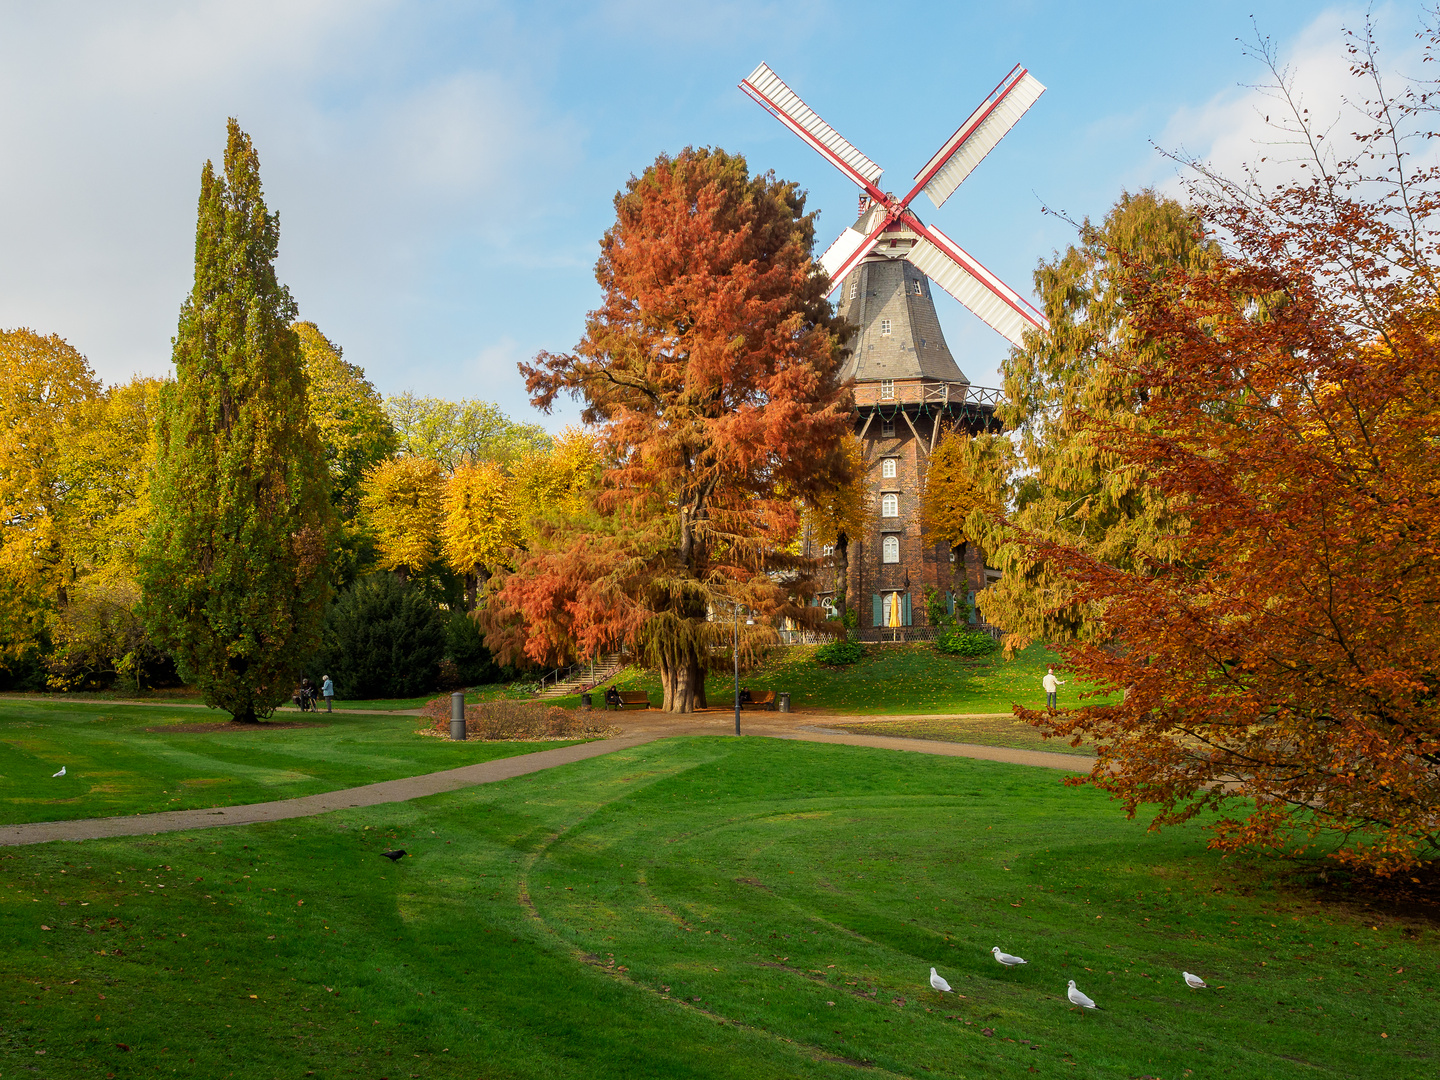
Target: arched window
[
  {"x": 890, "y": 505},
  {"x": 890, "y": 549},
  {"x": 887, "y": 468}
]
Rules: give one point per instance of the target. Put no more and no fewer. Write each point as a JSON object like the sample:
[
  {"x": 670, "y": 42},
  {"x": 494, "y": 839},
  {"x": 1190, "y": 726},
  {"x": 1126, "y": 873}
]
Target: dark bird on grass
[{"x": 394, "y": 856}]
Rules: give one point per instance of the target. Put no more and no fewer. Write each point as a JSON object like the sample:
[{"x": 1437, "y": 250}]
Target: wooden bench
[
  {"x": 633, "y": 699},
  {"x": 758, "y": 699}
]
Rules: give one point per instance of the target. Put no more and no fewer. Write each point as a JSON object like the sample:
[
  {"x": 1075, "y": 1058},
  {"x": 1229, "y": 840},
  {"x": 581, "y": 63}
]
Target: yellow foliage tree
[
  {"x": 45, "y": 385},
  {"x": 401, "y": 501},
  {"x": 558, "y": 480},
  {"x": 954, "y": 504},
  {"x": 480, "y": 527}
]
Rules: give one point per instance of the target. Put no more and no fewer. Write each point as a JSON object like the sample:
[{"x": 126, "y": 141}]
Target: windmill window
[
  {"x": 919, "y": 289},
  {"x": 890, "y": 547},
  {"x": 887, "y": 468},
  {"x": 890, "y": 505},
  {"x": 887, "y": 429},
  {"x": 854, "y": 288},
  {"x": 884, "y": 327},
  {"x": 887, "y": 388},
  {"x": 827, "y": 550}
]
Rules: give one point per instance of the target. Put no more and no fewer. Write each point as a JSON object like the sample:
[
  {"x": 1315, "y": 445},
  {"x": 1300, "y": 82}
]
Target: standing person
[
  {"x": 328, "y": 689},
  {"x": 1050, "y": 682}
]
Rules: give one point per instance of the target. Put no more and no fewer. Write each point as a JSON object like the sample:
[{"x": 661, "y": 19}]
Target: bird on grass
[
  {"x": 1195, "y": 982},
  {"x": 1077, "y": 998},
  {"x": 394, "y": 856},
  {"x": 60, "y": 773},
  {"x": 938, "y": 983},
  {"x": 1005, "y": 958}
]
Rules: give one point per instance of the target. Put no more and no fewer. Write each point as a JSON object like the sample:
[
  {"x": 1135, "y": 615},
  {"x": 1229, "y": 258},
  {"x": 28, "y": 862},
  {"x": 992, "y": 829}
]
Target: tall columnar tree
[
  {"x": 709, "y": 375},
  {"x": 234, "y": 565}
]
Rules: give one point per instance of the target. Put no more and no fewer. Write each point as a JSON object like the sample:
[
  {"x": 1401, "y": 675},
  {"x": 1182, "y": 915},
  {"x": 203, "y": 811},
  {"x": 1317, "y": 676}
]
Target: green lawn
[
  {"x": 115, "y": 763},
  {"x": 891, "y": 679},
  {"x": 700, "y": 908}
]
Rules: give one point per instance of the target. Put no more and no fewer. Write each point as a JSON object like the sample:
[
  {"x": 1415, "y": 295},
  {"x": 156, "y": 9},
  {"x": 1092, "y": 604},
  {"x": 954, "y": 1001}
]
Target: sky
[{"x": 444, "y": 171}]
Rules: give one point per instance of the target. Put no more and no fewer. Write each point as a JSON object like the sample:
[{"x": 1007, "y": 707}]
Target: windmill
[
  {"x": 886, "y": 220},
  {"x": 903, "y": 372}
]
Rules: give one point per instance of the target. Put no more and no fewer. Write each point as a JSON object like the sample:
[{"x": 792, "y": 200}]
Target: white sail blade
[
  {"x": 840, "y": 254},
  {"x": 767, "y": 88},
  {"x": 952, "y": 268},
  {"x": 975, "y": 138}
]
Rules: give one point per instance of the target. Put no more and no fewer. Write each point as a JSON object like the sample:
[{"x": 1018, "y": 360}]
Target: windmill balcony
[{"x": 925, "y": 392}]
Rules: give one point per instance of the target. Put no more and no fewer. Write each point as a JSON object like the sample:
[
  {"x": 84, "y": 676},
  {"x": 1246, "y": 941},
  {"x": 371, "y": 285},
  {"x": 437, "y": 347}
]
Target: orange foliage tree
[
  {"x": 1280, "y": 661},
  {"x": 709, "y": 376}
]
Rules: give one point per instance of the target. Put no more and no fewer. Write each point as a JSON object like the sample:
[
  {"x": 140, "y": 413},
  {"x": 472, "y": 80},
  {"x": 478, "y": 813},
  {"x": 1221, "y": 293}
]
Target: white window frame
[
  {"x": 887, "y": 468},
  {"x": 884, "y": 327},
  {"x": 890, "y": 549},
  {"x": 854, "y": 288},
  {"x": 887, "y": 392},
  {"x": 890, "y": 505},
  {"x": 827, "y": 551},
  {"x": 919, "y": 289}
]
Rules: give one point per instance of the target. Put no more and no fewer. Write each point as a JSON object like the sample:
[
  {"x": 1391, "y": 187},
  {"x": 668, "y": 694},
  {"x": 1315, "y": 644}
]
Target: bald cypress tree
[{"x": 234, "y": 565}]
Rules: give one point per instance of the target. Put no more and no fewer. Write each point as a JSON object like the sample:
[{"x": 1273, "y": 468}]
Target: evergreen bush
[
  {"x": 962, "y": 642},
  {"x": 839, "y": 653},
  {"x": 382, "y": 639},
  {"x": 465, "y": 648}
]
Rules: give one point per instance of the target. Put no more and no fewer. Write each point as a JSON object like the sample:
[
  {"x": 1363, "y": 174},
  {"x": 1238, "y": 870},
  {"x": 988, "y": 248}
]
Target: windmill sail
[
  {"x": 975, "y": 138},
  {"x": 952, "y": 268},
  {"x": 767, "y": 88},
  {"x": 840, "y": 255}
]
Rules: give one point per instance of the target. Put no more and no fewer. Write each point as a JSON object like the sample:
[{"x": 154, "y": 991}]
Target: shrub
[
  {"x": 514, "y": 720},
  {"x": 381, "y": 639},
  {"x": 839, "y": 653},
  {"x": 963, "y": 642}
]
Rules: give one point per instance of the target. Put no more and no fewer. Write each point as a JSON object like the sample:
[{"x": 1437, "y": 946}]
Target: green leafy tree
[
  {"x": 453, "y": 433},
  {"x": 349, "y": 417},
  {"x": 233, "y": 571},
  {"x": 1059, "y": 480}
]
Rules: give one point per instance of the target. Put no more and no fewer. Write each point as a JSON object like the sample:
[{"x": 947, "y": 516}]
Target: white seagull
[
  {"x": 1005, "y": 958},
  {"x": 1077, "y": 998},
  {"x": 938, "y": 983},
  {"x": 60, "y": 773},
  {"x": 1195, "y": 982}
]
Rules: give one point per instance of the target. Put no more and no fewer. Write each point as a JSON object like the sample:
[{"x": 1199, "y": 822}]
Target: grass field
[
  {"x": 131, "y": 759},
  {"x": 895, "y": 679},
  {"x": 700, "y": 908}
]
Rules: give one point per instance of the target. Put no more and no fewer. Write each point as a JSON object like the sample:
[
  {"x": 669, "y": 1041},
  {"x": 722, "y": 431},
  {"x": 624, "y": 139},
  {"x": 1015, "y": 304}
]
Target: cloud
[{"x": 1255, "y": 126}]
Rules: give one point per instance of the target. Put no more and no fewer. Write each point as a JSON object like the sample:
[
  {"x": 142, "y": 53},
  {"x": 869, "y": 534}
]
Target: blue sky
[{"x": 444, "y": 171}]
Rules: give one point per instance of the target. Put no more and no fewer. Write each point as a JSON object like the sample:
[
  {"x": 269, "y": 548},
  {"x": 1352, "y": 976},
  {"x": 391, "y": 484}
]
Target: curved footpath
[{"x": 636, "y": 729}]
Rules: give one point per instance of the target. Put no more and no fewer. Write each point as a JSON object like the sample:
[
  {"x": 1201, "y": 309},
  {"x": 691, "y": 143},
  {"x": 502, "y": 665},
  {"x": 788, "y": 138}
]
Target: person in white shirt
[{"x": 1052, "y": 685}]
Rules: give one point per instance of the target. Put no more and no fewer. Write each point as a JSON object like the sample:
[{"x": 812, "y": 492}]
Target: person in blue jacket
[{"x": 327, "y": 688}]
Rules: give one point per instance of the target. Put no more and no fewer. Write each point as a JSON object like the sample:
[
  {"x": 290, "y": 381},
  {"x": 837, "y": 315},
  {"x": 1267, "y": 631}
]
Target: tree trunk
[
  {"x": 683, "y": 682},
  {"x": 842, "y": 574}
]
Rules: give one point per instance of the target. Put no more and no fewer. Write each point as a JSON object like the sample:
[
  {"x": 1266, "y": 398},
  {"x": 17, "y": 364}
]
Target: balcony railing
[{"x": 927, "y": 393}]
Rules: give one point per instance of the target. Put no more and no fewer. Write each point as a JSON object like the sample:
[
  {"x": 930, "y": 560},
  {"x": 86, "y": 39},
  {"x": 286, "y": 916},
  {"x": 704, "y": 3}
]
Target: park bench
[
  {"x": 758, "y": 699},
  {"x": 633, "y": 699}
]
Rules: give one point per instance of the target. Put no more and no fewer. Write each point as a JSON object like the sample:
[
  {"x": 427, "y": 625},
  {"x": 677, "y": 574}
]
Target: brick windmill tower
[{"x": 908, "y": 387}]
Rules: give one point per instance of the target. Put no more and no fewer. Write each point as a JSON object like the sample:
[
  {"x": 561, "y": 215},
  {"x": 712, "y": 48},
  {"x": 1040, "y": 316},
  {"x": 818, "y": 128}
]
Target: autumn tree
[
  {"x": 233, "y": 570},
  {"x": 957, "y": 502},
  {"x": 1051, "y": 472},
  {"x": 708, "y": 375},
  {"x": 45, "y": 388},
  {"x": 479, "y": 530},
  {"x": 1280, "y": 655},
  {"x": 401, "y": 501}
]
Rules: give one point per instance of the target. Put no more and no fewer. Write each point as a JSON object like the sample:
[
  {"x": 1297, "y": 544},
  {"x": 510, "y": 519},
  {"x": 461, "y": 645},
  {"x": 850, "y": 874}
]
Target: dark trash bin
[
  {"x": 586, "y": 702},
  {"x": 457, "y": 715},
  {"x": 784, "y": 700}
]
